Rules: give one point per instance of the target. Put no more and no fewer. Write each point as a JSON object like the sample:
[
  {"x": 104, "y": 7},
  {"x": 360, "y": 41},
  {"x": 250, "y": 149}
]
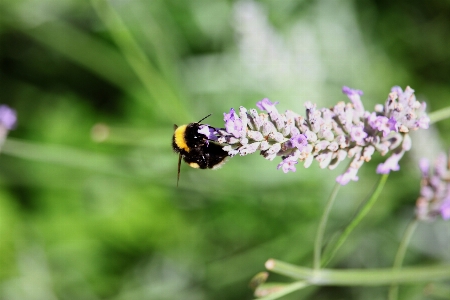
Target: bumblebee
[{"x": 195, "y": 148}]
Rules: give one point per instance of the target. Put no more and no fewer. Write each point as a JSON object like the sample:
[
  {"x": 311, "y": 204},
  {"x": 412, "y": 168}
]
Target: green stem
[
  {"x": 322, "y": 226},
  {"x": 295, "y": 286},
  {"x": 439, "y": 115},
  {"x": 393, "y": 291},
  {"x": 360, "y": 277},
  {"x": 362, "y": 213}
]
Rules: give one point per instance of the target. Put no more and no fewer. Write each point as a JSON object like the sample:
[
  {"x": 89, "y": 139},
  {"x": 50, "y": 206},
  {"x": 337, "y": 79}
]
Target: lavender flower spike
[
  {"x": 434, "y": 197},
  {"x": 328, "y": 135}
]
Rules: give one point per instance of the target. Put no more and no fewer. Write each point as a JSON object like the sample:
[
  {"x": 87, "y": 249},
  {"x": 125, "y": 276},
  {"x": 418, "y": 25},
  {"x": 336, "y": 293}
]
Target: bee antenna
[{"x": 204, "y": 118}]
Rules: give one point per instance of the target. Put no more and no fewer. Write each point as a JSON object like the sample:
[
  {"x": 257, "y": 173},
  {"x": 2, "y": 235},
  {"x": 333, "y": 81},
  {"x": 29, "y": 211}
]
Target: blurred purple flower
[
  {"x": 424, "y": 165},
  {"x": 445, "y": 208},
  {"x": 434, "y": 197},
  {"x": 8, "y": 117}
]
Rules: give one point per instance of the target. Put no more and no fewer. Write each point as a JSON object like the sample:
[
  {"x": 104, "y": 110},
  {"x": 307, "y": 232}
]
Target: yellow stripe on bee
[
  {"x": 194, "y": 165},
  {"x": 179, "y": 138}
]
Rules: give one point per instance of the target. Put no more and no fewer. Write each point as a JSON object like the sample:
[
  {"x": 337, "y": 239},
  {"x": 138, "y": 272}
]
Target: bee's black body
[{"x": 195, "y": 148}]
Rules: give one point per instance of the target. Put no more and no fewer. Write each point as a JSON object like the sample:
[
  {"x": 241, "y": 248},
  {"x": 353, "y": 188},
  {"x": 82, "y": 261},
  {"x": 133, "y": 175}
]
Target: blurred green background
[{"x": 89, "y": 207}]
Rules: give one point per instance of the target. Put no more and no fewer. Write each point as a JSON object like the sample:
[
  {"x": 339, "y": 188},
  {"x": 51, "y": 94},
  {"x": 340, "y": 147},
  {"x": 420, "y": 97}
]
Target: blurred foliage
[{"x": 89, "y": 207}]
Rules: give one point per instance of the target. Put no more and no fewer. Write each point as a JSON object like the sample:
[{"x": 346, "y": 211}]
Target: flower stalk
[
  {"x": 359, "y": 277},
  {"x": 322, "y": 226},
  {"x": 400, "y": 255},
  {"x": 358, "y": 218}
]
